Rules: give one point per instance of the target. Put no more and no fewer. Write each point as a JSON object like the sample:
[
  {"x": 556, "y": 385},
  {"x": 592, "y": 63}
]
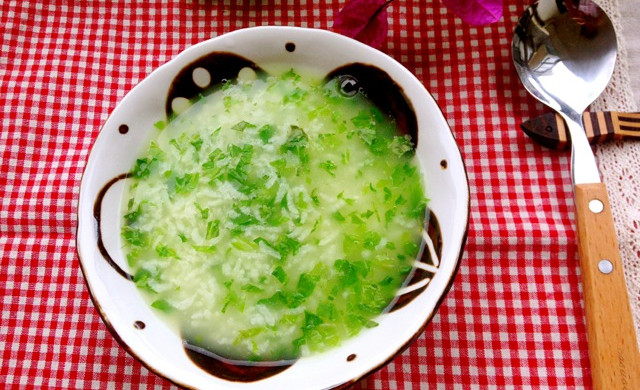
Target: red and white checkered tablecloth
[{"x": 513, "y": 318}]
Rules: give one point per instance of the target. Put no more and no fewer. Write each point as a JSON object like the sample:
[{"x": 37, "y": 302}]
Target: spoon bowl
[
  {"x": 565, "y": 57},
  {"x": 564, "y": 53}
]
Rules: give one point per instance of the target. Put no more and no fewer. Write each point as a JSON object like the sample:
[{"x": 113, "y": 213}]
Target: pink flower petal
[
  {"x": 364, "y": 20},
  {"x": 476, "y": 12}
]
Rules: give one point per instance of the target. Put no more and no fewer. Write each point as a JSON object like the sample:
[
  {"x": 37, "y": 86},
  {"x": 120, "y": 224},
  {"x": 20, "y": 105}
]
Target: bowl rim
[{"x": 187, "y": 53}]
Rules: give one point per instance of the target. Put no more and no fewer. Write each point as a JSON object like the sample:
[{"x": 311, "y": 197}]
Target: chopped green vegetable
[
  {"x": 132, "y": 217},
  {"x": 410, "y": 249},
  {"x": 283, "y": 299},
  {"x": 346, "y": 157},
  {"x": 338, "y": 216},
  {"x": 311, "y": 321},
  {"x": 329, "y": 166},
  {"x": 248, "y": 333},
  {"x": 389, "y": 215},
  {"x": 204, "y": 212},
  {"x": 241, "y": 126},
  {"x": 314, "y": 197},
  {"x": 300, "y": 201},
  {"x": 213, "y": 229},
  {"x": 266, "y": 132},
  {"x": 295, "y": 96},
  {"x": 356, "y": 220},
  {"x": 287, "y": 245},
  {"x": 243, "y": 219},
  {"x": 363, "y": 121},
  {"x": 243, "y": 245},
  {"x": 280, "y": 274},
  {"x": 165, "y": 251},
  {"x": 306, "y": 284},
  {"x": 347, "y": 272},
  {"x": 296, "y": 144},
  {"x": 134, "y": 237},
  {"x": 328, "y": 311},
  {"x": 401, "y": 145},
  {"x": 205, "y": 248},
  {"x": 160, "y": 125},
  {"x": 252, "y": 288},
  {"x": 142, "y": 279},
  {"x": 142, "y": 168},
  {"x": 197, "y": 143},
  {"x": 367, "y": 214},
  {"x": 386, "y": 281},
  {"x": 187, "y": 183},
  {"x": 291, "y": 74},
  {"x": 371, "y": 240},
  {"x": 387, "y": 193},
  {"x": 177, "y": 145},
  {"x": 162, "y": 305},
  {"x": 227, "y": 100}
]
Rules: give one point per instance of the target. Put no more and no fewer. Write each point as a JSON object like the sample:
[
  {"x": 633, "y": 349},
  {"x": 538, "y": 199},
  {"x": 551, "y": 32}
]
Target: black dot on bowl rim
[
  {"x": 123, "y": 129},
  {"x": 290, "y": 47},
  {"x": 444, "y": 164},
  {"x": 351, "y": 357},
  {"x": 139, "y": 325}
]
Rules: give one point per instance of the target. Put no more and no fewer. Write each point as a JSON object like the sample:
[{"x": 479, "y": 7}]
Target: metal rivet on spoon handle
[{"x": 564, "y": 53}]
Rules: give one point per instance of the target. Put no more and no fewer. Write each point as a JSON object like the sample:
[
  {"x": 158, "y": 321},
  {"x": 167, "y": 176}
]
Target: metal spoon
[{"x": 564, "y": 53}]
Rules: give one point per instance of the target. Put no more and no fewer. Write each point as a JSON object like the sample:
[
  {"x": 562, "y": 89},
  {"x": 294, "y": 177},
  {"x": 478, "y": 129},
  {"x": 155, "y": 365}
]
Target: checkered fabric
[{"x": 513, "y": 318}]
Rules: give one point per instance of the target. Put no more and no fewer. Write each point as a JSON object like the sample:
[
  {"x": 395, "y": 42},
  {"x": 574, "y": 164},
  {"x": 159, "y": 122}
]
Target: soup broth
[{"x": 274, "y": 217}]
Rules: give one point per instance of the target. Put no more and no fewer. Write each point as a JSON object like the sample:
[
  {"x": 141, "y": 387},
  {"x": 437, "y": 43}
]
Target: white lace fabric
[{"x": 619, "y": 163}]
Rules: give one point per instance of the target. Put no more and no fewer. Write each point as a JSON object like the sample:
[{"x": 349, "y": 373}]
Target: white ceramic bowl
[{"x": 125, "y": 136}]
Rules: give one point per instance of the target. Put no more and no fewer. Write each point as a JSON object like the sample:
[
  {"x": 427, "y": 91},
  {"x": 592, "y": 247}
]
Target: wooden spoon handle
[{"x": 613, "y": 349}]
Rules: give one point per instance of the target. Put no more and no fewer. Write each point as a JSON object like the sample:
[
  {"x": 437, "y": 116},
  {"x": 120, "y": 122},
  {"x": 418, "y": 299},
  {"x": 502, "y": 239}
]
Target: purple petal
[
  {"x": 375, "y": 33},
  {"x": 476, "y": 12},
  {"x": 364, "y": 20}
]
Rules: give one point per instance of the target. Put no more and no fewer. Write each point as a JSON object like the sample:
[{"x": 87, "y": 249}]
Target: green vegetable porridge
[{"x": 275, "y": 217}]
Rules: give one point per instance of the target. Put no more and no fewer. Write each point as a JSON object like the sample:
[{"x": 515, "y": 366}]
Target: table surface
[{"x": 513, "y": 318}]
